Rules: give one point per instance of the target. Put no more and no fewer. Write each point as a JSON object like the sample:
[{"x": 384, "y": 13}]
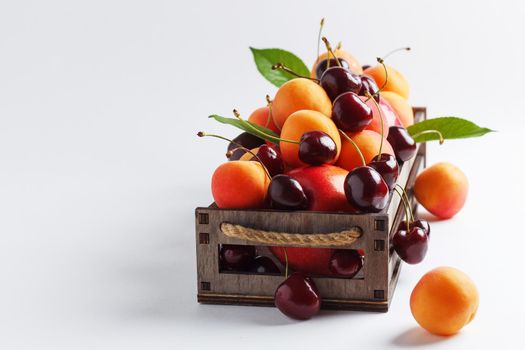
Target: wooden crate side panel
[{"x": 375, "y": 268}]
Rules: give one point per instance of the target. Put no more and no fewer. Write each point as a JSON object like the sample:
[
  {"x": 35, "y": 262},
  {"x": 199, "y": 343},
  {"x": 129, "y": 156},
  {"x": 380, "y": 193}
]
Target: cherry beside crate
[{"x": 371, "y": 290}]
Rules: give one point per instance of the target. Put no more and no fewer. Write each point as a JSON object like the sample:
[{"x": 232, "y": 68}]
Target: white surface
[{"x": 100, "y": 170}]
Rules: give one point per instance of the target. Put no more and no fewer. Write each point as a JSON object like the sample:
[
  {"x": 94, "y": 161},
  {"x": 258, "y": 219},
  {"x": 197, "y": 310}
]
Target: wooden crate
[{"x": 371, "y": 290}]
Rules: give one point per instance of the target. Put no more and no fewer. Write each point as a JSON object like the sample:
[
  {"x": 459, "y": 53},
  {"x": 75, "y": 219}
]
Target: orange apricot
[
  {"x": 297, "y": 94},
  {"x": 368, "y": 142},
  {"x": 239, "y": 185},
  {"x": 260, "y": 117},
  {"x": 401, "y": 107},
  {"x": 296, "y": 125},
  {"x": 442, "y": 189},
  {"x": 444, "y": 300},
  {"x": 353, "y": 64},
  {"x": 396, "y": 82}
]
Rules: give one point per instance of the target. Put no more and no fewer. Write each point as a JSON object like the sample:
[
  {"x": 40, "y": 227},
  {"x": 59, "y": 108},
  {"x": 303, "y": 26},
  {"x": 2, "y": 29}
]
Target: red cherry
[
  {"x": 350, "y": 113},
  {"x": 386, "y": 165},
  {"x": 265, "y": 265},
  {"x": 297, "y": 297},
  {"x": 368, "y": 85},
  {"x": 236, "y": 257},
  {"x": 323, "y": 65},
  {"x": 366, "y": 190},
  {"x": 286, "y": 193},
  {"x": 345, "y": 262},
  {"x": 316, "y": 148},
  {"x": 403, "y": 144},
  {"x": 412, "y": 246},
  {"x": 338, "y": 80},
  {"x": 271, "y": 158},
  {"x": 246, "y": 140},
  {"x": 421, "y": 223}
]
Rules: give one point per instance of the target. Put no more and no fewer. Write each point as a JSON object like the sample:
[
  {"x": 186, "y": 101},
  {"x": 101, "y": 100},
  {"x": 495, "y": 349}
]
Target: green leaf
[
  {"x": 266, "y": 58},
  {"x": 254, "y": 129},
  {"x": 450, "y": 128}
]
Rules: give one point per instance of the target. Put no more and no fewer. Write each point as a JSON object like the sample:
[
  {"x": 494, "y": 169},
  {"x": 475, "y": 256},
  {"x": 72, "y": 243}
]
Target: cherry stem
[
  {"x": 288, "y": 70},
  {"x": 286, "y": 263},
  {"x": 239, "y": 146},
  {"x": 382, "y": 122},
  {"x": 329, "y": 48},
  {"x": 260, "y": 133},
  {"x": 338, "y": 47},
  {"x": 407, "y": 200},
  {"x": 424, "y": 132},
  {"x": 406, "y": 205},
  {"x": 269, "y": 118},
  {"x": 396, "y": 50},
  {"x": 233, "y": 150},
  {"x": 382, "y": 62},
  {"x": 355, "y": 145},
  {"x": 319, "y": 37}
]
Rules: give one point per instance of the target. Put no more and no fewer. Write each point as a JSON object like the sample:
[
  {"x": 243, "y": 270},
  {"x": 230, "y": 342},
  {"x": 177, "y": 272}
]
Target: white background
[{"x": 100, "y": 168}]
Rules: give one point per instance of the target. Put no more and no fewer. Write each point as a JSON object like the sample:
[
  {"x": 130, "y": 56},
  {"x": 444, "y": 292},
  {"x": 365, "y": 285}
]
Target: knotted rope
[{"x": 345, "y": 237}]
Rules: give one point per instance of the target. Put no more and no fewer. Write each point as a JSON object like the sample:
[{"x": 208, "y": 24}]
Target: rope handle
[{"x": 341, "y": 238}]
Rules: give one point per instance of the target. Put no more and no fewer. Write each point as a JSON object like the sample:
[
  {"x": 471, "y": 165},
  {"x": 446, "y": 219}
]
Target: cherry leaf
[
  {"x": 266, "y": 58},
  {"x": 249, "y": 127},
  {"x": 449, "y": 127}
]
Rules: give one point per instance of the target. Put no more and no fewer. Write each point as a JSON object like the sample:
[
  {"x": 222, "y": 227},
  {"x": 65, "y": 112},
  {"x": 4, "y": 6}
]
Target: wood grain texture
[{"x": 371, "y": 290}]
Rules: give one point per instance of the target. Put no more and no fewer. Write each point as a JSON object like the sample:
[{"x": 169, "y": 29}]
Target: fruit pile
[{"x": 333, "y": 138}]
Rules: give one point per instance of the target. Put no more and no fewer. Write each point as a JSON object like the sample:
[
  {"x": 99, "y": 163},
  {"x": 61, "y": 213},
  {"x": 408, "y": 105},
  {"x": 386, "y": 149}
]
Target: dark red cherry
[
  {"x": 368, "y": 85},
  {"x": 410, "y": 246},
  {"x": 350, "y": 113},
  {"x": 286, "y": 193},
  {"x": 265, "y": 265},
  {"x": 316, "y": 148},
  {"x": 403, "y": 144},
  {"x": 346, "y": 262},
  {"x": 327, "y": 63},
  {"x": 386, "y": 165},
  {"x": 421, "y": 223},
  {"x": 366, "y": 190},
  {"x": 297, "y": 297},
  {"x": 271, "y": 158},
  {"x": 236, "y": 257},
  {"x": 246, "y": 140},
  {"x": 337, "y": 80}
]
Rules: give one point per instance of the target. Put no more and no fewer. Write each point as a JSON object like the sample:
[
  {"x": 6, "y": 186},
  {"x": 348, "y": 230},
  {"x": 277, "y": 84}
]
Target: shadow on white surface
[
  {"x": 262, "y": 316},
  {"x": 416, "y": 336}
]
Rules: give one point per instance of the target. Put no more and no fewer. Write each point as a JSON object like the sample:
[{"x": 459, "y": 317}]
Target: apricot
[
  {"x": 401, "y": 107},
  {"x": 442, "y": 189},
  {"x": 296, "y": 125},
  {"x": 444, "y": 300},
  {"x": 368, "y": 142},
  {"x": 353, "y": 64},
  {"x": 260, "y": 117},
  {"x": 297, "y": 94},
  {"x": 396, "y": 82},
  {"x": 239, "y": 185}
]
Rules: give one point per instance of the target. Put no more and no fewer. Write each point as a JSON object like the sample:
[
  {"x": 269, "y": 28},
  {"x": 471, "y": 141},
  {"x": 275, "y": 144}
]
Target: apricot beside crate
[{"x": 371, "y": 290}]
